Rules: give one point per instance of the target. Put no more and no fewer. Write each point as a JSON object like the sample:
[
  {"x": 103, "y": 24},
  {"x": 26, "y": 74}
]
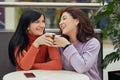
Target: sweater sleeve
[
  {"x": 55, "y": 62},
  {"x": 82, "y": 60},
  {"x": 27, "y": 58}
]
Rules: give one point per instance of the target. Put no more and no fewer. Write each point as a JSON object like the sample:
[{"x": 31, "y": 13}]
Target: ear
[
  {"x": 28, "y": 28},
  {"x": 77, "y": 21}
]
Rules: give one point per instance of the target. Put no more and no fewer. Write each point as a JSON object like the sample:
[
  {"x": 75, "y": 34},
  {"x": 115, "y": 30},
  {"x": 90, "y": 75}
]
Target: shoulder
[
  {"x": 93, "y": 42},
  {"x": 90, "y": 41}
]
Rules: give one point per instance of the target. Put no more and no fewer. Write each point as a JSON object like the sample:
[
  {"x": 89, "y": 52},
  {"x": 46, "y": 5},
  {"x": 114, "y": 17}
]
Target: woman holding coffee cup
[
  {"x": 30, "y": 48},
  {"x": 78, "y": 45}
]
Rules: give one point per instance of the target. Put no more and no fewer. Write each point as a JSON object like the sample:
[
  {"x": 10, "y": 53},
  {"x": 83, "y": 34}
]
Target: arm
[
  {"x": 83, "y": 62},
  {"x": 26, "y": 59},
  {"x": 55, "y": 62}
]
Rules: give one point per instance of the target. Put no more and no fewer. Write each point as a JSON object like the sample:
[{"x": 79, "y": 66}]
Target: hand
[
  {"x": 44, "y": 40},
  {"x": 60, "y": 41}
]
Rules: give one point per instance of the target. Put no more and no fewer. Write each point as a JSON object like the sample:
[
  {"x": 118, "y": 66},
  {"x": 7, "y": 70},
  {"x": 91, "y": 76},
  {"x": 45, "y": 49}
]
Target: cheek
[
  {"x": 70, "y": 28},
  {"x": 31, "y": 30}
]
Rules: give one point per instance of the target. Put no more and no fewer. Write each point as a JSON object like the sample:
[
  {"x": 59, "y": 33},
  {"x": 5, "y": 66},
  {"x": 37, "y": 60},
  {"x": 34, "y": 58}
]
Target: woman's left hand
[{"x": 60, "y": 41}]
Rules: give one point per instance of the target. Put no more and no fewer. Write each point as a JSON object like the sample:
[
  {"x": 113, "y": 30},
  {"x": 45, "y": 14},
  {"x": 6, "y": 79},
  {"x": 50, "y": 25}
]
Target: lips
[{"x": 62, "y": 27}]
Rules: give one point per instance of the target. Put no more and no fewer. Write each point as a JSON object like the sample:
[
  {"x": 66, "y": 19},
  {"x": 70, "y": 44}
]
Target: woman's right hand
[
  {"x": 45, "y": 39},
  {"x": 60, "y": 41}
]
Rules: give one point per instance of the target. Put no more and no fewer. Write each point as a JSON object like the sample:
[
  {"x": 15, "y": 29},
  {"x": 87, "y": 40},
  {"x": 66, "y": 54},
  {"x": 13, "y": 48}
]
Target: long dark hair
[
  {"x": 85, "y": 28},
  {"x": 20, "y": 38}
]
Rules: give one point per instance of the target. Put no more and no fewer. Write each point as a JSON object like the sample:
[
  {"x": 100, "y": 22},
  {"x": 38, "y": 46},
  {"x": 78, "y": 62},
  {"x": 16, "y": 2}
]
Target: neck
[{"x": 73, "y": 39}]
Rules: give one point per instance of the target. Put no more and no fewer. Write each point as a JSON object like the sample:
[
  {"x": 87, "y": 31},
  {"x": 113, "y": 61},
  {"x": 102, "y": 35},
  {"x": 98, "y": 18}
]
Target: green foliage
[
  {"x": 111, "y": 10},
  {"x": 102, "y": 12},
  {"x": 112, "y": 57}
]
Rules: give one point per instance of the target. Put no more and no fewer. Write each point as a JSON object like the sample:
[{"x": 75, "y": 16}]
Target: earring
[{"x": 27, "y": 29}]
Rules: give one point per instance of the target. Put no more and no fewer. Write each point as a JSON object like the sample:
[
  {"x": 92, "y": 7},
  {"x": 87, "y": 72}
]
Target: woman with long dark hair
[
  {"x": 29, "y": 47},
  {"x": 80, "y": 48}
]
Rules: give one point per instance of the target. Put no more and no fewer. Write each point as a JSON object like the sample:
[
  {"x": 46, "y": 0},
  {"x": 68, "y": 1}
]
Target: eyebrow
[{"x": 63, "y": 16}]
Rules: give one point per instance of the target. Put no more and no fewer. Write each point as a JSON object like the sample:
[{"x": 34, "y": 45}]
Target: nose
[
  {"x": 42, "y": 25},
  {"x": 60, "y": 22}
]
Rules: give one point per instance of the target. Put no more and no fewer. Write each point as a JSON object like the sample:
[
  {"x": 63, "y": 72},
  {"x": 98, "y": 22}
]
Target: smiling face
[
  {"x": 68, "y": 24},
  {"x": 37, "y": 27}
]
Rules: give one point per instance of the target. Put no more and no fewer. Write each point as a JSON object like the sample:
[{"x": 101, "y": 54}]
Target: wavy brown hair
[{"x": 85, "y": 28}]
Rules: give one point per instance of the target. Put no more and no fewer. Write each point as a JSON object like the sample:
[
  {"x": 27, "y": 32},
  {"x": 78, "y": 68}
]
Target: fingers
[
  {"x": 48, "y": 39},
  {"x": 57, "y": 41},
  {"x": 55, "y": 46},
  {"x": 51, "y": 39},
  {"x": 57, "y": 38},
  {"x": 48, "y": 43}
]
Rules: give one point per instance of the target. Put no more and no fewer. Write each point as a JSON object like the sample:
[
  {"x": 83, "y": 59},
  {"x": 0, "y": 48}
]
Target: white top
[{"x": 46, "y": 75}]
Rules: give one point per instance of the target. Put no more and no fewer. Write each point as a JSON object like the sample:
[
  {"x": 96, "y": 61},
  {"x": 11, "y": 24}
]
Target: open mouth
[{"x": 62, "y": 27}]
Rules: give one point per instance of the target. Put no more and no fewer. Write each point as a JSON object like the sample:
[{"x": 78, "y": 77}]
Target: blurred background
[{"x": 9, "y": 17}]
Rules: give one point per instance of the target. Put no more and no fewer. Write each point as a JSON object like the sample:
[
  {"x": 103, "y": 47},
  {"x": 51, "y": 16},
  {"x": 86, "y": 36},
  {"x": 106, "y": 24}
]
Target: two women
[{"x": 78, "y": 46}]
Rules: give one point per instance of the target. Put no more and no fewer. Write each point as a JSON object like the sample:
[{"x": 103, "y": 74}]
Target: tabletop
[{"x": 45, "y": 75}]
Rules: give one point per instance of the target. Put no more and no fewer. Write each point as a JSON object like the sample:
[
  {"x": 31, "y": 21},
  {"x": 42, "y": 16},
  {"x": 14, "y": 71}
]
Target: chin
[
  {"x": 40, "y": 33},
  {"x": 64, "y": 33}
]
